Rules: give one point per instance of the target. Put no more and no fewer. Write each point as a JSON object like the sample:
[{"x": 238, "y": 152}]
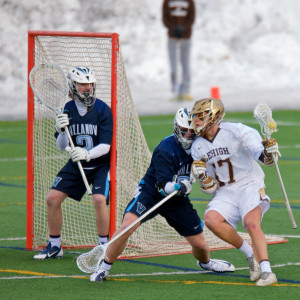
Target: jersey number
[
  {"x": 221, "y": 163},
  {"x": 85, "y": 140}
]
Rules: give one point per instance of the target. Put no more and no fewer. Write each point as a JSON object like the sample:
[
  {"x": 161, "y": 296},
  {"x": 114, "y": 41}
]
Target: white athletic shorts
[{"x": 234, "y": 201}]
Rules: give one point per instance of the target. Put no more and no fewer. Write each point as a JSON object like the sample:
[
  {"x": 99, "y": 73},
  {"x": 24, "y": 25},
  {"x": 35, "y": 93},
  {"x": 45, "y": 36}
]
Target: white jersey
[{"x": 232, "y": 155}]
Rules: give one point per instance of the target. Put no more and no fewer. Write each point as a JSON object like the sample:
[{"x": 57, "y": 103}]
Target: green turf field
[{"x": 169, "y": 277}]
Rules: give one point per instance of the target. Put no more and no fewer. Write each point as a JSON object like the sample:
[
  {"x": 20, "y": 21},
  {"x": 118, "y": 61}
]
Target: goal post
[
  {"x": 130, "y": 155},
  {"x": 39, "y": 53}
]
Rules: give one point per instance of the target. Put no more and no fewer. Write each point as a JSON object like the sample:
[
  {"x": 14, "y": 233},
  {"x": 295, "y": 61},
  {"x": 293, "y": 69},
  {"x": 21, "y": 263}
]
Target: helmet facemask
[
  {"x": 82, "y": 75},
  {"x": 86, "y": 97},
  {"x": 183, "y": 129}
]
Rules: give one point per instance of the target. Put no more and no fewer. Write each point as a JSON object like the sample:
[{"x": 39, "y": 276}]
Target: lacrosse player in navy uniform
[
  {"x": 90, "y": 124},
  {"x": 232, "y": 152},
  {"x": 169, "y": 170}
]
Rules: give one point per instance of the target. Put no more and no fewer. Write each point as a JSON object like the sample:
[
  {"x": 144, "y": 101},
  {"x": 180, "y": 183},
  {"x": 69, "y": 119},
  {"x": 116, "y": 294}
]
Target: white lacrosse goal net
[{"x": 130, "y": 153}]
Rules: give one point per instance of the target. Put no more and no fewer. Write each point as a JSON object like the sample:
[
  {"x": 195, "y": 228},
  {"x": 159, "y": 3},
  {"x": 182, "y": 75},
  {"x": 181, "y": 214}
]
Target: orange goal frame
[{"x": 30, "y": 125}]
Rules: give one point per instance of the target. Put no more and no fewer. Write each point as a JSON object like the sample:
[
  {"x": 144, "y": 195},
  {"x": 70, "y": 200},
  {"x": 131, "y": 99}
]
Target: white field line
[
  {"x": 269, "y": 234},
  {"x": 137, "y": 275},
  {"x": 13, "y": 239}
]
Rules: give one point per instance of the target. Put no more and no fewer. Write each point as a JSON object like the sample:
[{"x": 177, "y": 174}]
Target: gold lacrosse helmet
[{"x": 208, "y": 110}]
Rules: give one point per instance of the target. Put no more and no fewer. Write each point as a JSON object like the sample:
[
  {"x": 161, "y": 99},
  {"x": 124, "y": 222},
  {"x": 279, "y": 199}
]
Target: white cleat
[
  {"x": 266, "y": 278},
  {"x": 99, "y": 275},
  {"x": 254, "y": 268},
  {"x": 217, "y": 265}
]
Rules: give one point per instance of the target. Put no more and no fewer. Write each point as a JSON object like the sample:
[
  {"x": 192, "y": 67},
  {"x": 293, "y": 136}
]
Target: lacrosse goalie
[
  {"x": 169, "y": 171},
  {"x": 90, "y": 124},
  {"x": 226, "y": 157}
]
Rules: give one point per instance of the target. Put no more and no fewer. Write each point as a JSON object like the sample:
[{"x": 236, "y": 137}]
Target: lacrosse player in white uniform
[{"x": 226, "y": 157}]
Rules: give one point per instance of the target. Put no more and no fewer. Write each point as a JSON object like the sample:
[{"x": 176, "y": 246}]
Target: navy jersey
[
  {"x": 168, "y": 160},
  {"x": 92, "y": 129}
]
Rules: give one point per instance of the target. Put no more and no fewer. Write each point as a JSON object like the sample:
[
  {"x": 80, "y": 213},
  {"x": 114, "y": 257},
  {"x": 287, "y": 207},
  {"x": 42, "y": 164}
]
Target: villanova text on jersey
[{"x": 79, "y": 129}]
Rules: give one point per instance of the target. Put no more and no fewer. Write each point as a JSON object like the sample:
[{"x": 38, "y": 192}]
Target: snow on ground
[{"x": 250, "y": 49}]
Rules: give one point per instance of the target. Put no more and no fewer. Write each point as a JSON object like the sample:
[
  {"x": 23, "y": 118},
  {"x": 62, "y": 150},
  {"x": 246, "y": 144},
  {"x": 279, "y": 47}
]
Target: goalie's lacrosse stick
[
  {"x": 90, "y": 261},
  {"x": 49, "y": 85},
  {"x": 263, "y": 114}
]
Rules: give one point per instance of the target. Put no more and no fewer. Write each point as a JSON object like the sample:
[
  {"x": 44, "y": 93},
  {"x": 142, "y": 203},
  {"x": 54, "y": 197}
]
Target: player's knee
[
  {"x": 210, "y": 222},
  {"x": 99, "y": 200},
  {"x": 251, "y": 226},
  {"x": 54, "y": 198}
]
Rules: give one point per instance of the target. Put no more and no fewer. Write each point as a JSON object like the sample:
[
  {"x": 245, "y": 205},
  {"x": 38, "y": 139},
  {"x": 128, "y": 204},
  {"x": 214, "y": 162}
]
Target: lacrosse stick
[
  {"x": 49, "y": 85},
  {"x": 90, "y": 261},
  {"x": 263, "y": 114}
]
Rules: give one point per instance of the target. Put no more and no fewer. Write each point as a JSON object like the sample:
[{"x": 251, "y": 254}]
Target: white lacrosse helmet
[
  {"x": 182, "y": 122},
  {"x": 82, "y": 75}
]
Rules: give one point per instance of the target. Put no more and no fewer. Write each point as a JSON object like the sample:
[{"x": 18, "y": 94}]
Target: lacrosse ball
[{"x": 272, "y": 125}]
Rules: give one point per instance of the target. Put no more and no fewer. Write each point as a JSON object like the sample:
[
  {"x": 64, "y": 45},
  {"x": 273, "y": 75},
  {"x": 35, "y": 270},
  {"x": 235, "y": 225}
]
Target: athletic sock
[
  {"x": 55, "y": 240},
  {"x": 207, "y": 265},
  {"x": 265, "y": 266},
  {"x": 103, "y": 239},
  {"x": 106, "y": 265},
  {"x": 246, "y": 249}
]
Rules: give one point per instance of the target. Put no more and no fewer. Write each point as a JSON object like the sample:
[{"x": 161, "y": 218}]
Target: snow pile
[{"x": 250, "y": 49}]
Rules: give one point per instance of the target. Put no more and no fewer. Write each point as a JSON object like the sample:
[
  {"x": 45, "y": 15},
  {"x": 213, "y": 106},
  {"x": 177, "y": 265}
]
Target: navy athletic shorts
[
  {"x": 69, "y": 181},
  {"x": 178, "y": 212}
]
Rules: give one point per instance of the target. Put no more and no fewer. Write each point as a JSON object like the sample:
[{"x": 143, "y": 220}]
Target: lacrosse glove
[
  {"x": 207, "y": 183},
  {"x": 270, "y": 147},
  {"x": 61, "y": 121},
  {"x": 78, "y": 153},
  {"x": 184, "y": 187}
]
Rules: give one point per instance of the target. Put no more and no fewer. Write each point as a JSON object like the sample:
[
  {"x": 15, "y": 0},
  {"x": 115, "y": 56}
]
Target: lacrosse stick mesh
[
  {"x": 50, "y": 85},
  {"x": 89, "y": 261},
  {"x": 263, "y": 114}
]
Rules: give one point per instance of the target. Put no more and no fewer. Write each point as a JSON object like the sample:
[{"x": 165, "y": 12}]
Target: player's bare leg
[
  {"x": 55, "y": 218},
  {"x": 200, "y": 250},
  {"x": 102, "y": 214},
  {"x": 218, "y": 225},
  {"x": 252, "y": 223},
  {"x": 200, "y": 247},
  {"x": 116, "y": 248}
]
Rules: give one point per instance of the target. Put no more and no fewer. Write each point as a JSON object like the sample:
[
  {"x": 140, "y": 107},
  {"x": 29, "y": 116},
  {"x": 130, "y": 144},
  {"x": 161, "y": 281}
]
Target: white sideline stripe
[
  {"x": 13, "y": 239},
  {"x": 141, "y": 274},
  {"x": 288, "y": 236},
  {"x": 13, "y": 159}
]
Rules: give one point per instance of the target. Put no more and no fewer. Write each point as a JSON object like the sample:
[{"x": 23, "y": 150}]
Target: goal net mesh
[{"x": 155, "y": 237}]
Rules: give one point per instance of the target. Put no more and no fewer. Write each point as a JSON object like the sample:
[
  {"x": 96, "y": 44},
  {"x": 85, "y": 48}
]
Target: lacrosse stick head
[
  {"x": 263, "y": 114},
  {"x": 49, "y": 85},
  {"x": 90, "y": 261}
]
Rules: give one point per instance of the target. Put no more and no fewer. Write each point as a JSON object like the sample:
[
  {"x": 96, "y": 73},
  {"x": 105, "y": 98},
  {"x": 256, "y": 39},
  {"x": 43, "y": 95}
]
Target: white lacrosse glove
[
  {"x": 78, "y": 153},
  {"x": 199, "y": 169},
  {"x": 61, "y": 121},
  {"x": 184, "y": 187}
]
